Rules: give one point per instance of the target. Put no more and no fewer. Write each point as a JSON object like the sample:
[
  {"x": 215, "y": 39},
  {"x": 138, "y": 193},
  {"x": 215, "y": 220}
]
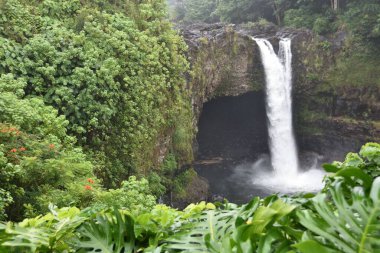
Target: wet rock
[{"x": 196, "y": 190}]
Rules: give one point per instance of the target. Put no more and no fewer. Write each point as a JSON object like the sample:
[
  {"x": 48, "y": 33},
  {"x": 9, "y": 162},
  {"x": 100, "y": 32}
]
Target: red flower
[
  {"x": 90, "y": 180},
  {"x": 87, "y": 187},
  {"x": 12, "y": 129},
  {"x": 14, "y": 150},
  {"x": 51, "y": 146},
  {"x": 22, "y": 149}
]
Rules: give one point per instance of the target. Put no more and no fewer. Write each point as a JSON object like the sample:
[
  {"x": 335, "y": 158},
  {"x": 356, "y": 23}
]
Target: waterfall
[{"x": 278, "y": 75}]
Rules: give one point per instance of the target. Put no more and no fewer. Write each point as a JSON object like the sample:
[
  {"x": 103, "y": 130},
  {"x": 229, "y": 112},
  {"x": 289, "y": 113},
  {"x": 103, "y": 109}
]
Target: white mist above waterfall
[{"x": 283, "y": 150}]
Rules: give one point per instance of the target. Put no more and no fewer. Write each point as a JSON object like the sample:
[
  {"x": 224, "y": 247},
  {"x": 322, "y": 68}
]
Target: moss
[
  {"x": 357, "y": 70},
  {"x": 235, "y": 44},
  {"x": 181, "y": 181},
  {"x": 225, "y": 84},
  {"x": 183, "y": 136},
  {"x": 376, "y": 124},
  {"x": 204, "y": 41}
]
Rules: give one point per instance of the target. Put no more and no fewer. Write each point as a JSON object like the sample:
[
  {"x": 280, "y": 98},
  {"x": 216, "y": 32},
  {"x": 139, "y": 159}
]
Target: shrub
[
  {"x": 298, "y": 18},
  {"x": 133, "y": 195},
  {"x": 39, "y": 163},
  {"x": 115, "y": 70},
  {"x": 341, "y": 218},
  {"x": 322, "y": 25}
]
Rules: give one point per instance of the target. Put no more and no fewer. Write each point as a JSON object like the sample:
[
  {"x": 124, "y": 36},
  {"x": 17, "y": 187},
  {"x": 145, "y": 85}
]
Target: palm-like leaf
[
  {"x": 236, "y": 230},
  {"x": 191, "y": 236},
  {"x": 342, "y": 225}
]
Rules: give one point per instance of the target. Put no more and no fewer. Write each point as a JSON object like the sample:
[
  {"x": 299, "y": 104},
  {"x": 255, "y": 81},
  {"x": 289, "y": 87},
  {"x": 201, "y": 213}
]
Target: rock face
[
  {"x": 331, "y": 121},
  {"x": 224, "y": 63}
]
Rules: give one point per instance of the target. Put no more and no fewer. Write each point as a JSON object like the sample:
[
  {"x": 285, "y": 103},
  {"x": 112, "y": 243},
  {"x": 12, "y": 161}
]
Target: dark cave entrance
[
  {"x": 232, "y": 134},
  {"x": 233, "y": 128}
]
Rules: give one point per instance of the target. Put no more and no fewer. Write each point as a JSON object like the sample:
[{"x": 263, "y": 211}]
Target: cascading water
[
  {"x": 282, "y": 145},
  {"x": 278, "y": 74}
]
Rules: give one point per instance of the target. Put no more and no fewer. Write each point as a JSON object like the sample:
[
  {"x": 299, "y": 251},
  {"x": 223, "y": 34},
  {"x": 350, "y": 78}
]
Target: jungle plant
[
  {"x": 96, "y": 63},
  {"x": 344, "y": 217},
  {"x": 343, "y": 224}
]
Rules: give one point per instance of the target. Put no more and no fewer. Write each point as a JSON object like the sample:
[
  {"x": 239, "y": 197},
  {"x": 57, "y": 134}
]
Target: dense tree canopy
[
  {"x": 96, "y": 120},
  {"x": 323, "y": 16},
  {"x": 114, "y": 69},
  {"x": 87, "y": 90}
]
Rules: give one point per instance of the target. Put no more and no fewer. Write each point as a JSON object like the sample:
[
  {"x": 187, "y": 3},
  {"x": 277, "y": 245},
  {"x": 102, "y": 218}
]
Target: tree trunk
[
  {"x": 276, "y": 12},
  {"x": 334, "y": 4}
]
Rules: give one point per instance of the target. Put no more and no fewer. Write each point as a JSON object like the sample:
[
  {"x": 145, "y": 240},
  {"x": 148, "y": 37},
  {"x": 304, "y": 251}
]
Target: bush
[
  {"x": 38, "y": 161},
  {"x": 343, "y": 217},
  {"x": 5, "y": 200},
  {"x": 362, "y": 18},
  {"x": 322, "y": 25},
  {"x": 299, "y": 18},
  {"x": 133, "y": 195},
  {"x": 115, "y": 70}
]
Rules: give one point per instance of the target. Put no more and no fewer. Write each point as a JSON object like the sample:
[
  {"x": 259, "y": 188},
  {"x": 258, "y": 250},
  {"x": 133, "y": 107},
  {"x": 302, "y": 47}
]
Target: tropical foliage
[
  {"x": 109, "y": 67},
  {"x": 343, "y": 217},
  {"x": 322, "y": 16},
  {"x": 40, "y": 163},
  {"x": 87, "y": 90}
]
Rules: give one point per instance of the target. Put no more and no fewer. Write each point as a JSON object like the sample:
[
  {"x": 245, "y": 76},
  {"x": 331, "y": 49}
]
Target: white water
[
  {"x": 278, "y": 75},
  {"x": 282, "y": 145}
]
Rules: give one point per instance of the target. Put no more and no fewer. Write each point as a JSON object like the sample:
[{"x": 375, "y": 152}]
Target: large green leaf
[
  {"x": 311, "y": 246},
  {"x": 107, "y": 233},
  {"x": 209, "y": 228},
  {"x": 330, "y": 168},
  {"x": 266, "y": 230},
  {"x": 356, "y": 173},
  {"x": 43, "y": 233},
  {"x": 345, "y": 224},
  {"x": 26, "y": 238}
]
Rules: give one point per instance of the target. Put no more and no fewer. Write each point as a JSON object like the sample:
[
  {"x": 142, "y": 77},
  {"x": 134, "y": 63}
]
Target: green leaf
[
  {"x": 107, "y": 233},
  {"x": 347, "y": 224},
  {"x": 330, "y": 168},
  {"x": 371, "y": 151},
  {"x": 31, "y": 238},
  {"x": 311, "y": 246},
  {"x": 355, "y": 173},
  {"x": 206, "y": 232}
]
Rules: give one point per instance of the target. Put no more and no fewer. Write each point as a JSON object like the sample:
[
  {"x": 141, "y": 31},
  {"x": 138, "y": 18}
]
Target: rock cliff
[{"x": 329, "y": 120}]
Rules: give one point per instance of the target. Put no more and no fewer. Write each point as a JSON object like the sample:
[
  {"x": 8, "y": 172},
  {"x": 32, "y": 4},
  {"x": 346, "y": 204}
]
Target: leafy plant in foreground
[
  {"x": 343, "y": 225},
  {"x": 343, "y": 217}
]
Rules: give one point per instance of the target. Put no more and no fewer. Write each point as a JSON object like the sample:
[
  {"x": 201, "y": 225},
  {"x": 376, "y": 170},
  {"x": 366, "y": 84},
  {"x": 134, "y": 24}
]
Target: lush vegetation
[
  {"x": 322, "y": 16},
  {"x": 109, "y": 68},
  {"x": 96, "y": 120},
  {"x": 89, "y": 90},
  {"x": 343, "y": 217}
]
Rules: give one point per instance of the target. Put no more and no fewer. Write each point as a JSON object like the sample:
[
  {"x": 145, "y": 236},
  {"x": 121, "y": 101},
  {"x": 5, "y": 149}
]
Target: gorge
[
  {"x": 228, "y": 67},
  {"x": 126, "y": 127}
]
